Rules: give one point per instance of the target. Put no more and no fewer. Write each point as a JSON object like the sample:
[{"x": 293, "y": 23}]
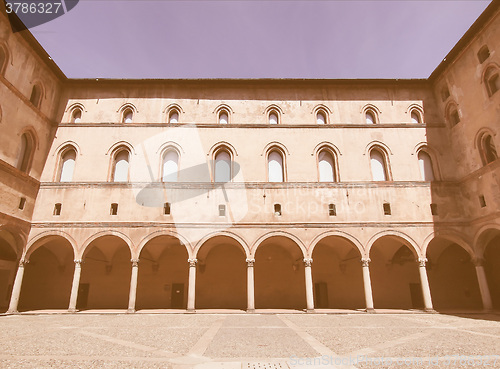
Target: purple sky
[{"x": 256, "y": 39}]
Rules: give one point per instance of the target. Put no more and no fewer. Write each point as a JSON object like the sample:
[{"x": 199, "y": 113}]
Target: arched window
[
  {"x": 223, "y": 117},
  {"x": 378, "y": 164},
  {"x": 453, "y": 116},
  {"x": 326, "y": 166},
  {"x": 173, "y": 116},
  {"x": 445, "y": 93},
  {"x": 76, "y": 115},
  {"x": 68, "y": 158},
  {"x": 483, "y": 54},
  {"x": 222, "y": 167},
  {"x": 488, "y": 149},
  {"x": 321, "y": 117},
  {"x": 128, "y": 115},
  {"x": 425, "y": 164},
  {"x": 275, "y": 166},
  {"x": 491, "y": 81},
  {"x": 371, "y": 118},
  {"x": 25, "y": 153},
  {"x": 273, "y": 117},
  {"x": 121, "y": 165},
  {"x": 415, "y": 116},
  {"x": 36, "y": 95},
  {"x": 170, "y": 166}
]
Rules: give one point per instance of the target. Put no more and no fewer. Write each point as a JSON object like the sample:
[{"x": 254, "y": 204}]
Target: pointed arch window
[
  {"x": 222, "y": 167},
  {"x": 173, "y": 116},
  {"x": 326, "y": 166},
  {"x": 321, "y": 117},
  {"x": 170, "y": 166},
  {"x": 68, "y": 159},
  {"x": 426, "y": 167},
  {"x": 416, "y": 117},
  {"x": 492, "y": 81},
  {"x": 36, "y": 95},
  {"x": 275, "y": 166},
  {"x": 223, "y": 117},
  {"x": 25, "y": 153},
  {"x": 273, "y": 117},
  {"x": 128, "y": 115},
  {"x": 76, "y": 115},
  {"x": 488, "y": 149},
  {"x": 371, "y": 117},
  {"x": 378, "y": 165},
  {"x": 121, "y": 165}
]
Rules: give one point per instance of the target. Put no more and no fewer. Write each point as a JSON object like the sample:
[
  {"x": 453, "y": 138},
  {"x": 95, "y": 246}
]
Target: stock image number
[{"x": 34, "y": 8}]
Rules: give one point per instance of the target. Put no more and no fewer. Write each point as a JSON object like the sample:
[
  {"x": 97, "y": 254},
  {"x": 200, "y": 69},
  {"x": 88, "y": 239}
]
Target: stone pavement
[{"x": 250, "y": 341}]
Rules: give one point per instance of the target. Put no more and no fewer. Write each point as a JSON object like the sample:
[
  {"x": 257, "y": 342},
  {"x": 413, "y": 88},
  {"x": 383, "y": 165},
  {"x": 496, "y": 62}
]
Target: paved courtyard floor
[{"x": 230, "y": 341}]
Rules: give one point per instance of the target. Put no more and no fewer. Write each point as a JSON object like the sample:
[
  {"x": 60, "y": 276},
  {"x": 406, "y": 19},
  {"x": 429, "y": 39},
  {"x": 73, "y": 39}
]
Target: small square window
[
  {"x": 114, "y": 209},
  {"x": 277, "y": 209},
  {"x": 387, "y": 208},
  {"x": 222, "y": 210},
  {"x": 332, "y": 210},
  {"x": 57, "y": 209},
  {"x": 22, "y": 202},
  {"x": 434, "y": 209},
  {"x": 482, "y": 201},
  {"x": 166, "y": 208}
]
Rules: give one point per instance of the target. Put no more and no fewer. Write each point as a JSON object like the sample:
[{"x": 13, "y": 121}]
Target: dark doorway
[
  {"x": 417, "y": 298},
  {"x": 177, "y": 297},
  {"x": 321, "y": 295},
  {"x": 83, "y": 296}
]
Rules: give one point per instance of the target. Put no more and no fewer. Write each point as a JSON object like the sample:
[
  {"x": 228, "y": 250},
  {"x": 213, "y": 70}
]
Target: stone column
[
  {"x": 16, "y": 289},
  {"x": 133, "y": 286},
  {"x": 250, "y": 286},
  {"x": 483, "y": 284},
  {"x": 74, "y": 288},
  {"x": 367, "y": 284},
  {"x": 424, "y": 281},
  {"x": 192, "y": 284},
  {"x": 309, "y": 285}
]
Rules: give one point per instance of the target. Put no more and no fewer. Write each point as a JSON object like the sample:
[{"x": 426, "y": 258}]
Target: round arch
[
  {"x": 355, "y": 242},
  {"x": 31, "y": 245},
  {"x": 410, "y": 242},
  {"x": 165, "y": 232},
  {"x": 451, "y": 236},
  {"x": 290, "y": 236},
  {"x": 481, "y": 237},
  {"x": 232, "y": 235},
  {"x": 94, "y": 237}
]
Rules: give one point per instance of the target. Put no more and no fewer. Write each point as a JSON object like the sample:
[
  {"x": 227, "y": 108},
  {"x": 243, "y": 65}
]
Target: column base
[
  {"x": 250, "y": 311},
  {"x": 370, "y": 310},
  {"x": 430, "y": 311},
  {"x": 12, "y": 312},
  {"x": 131, "y": 311},
  {"x": 310, "y": 311},
  {"x": 73, "y": 310},
  {"x": 190, "y": 311}
]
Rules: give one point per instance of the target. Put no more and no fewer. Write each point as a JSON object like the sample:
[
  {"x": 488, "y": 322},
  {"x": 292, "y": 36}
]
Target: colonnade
[{"x": 365, "y": 262}]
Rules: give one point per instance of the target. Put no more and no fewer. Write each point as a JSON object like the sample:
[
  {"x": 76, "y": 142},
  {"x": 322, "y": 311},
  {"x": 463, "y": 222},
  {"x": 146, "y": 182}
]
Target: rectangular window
[
  {"x": 434, "y": 209},
  {"x": 222, "y": 210},
  {"x": 482, "y": 201},
  {"x": 57, "y": 209},
  {"x": 166, "y": 208},
  {"x": 387, "y": 208},
  {"x": 332, "y": 210},
  {"x": 277, "y": 209},
  {"x": 22, "y": 202},
  {"x": 114, "y": 209}
]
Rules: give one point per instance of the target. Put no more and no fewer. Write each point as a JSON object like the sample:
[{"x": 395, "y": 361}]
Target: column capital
[
  {"x": 421, "y": 262},
  {"x": 250, "y": 262},
  {"x": 78, "y": 262},
  {"x": 478, "y": 262},
  {"x": 365, "y": 262},
  {"x": 135, "y": 262},
  {"x": 192, "y": 262},
  {"x": 308, "y": 262},
  {"x": 22, "y": 262}
]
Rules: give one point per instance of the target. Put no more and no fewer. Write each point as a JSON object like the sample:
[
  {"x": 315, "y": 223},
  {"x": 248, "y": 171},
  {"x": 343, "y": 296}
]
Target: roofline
[{"x": 471, "y": 33}]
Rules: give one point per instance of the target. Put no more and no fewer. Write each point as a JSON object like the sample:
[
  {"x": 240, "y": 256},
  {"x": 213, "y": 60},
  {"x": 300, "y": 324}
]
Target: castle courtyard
[{"x": 263, "y": 340}]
